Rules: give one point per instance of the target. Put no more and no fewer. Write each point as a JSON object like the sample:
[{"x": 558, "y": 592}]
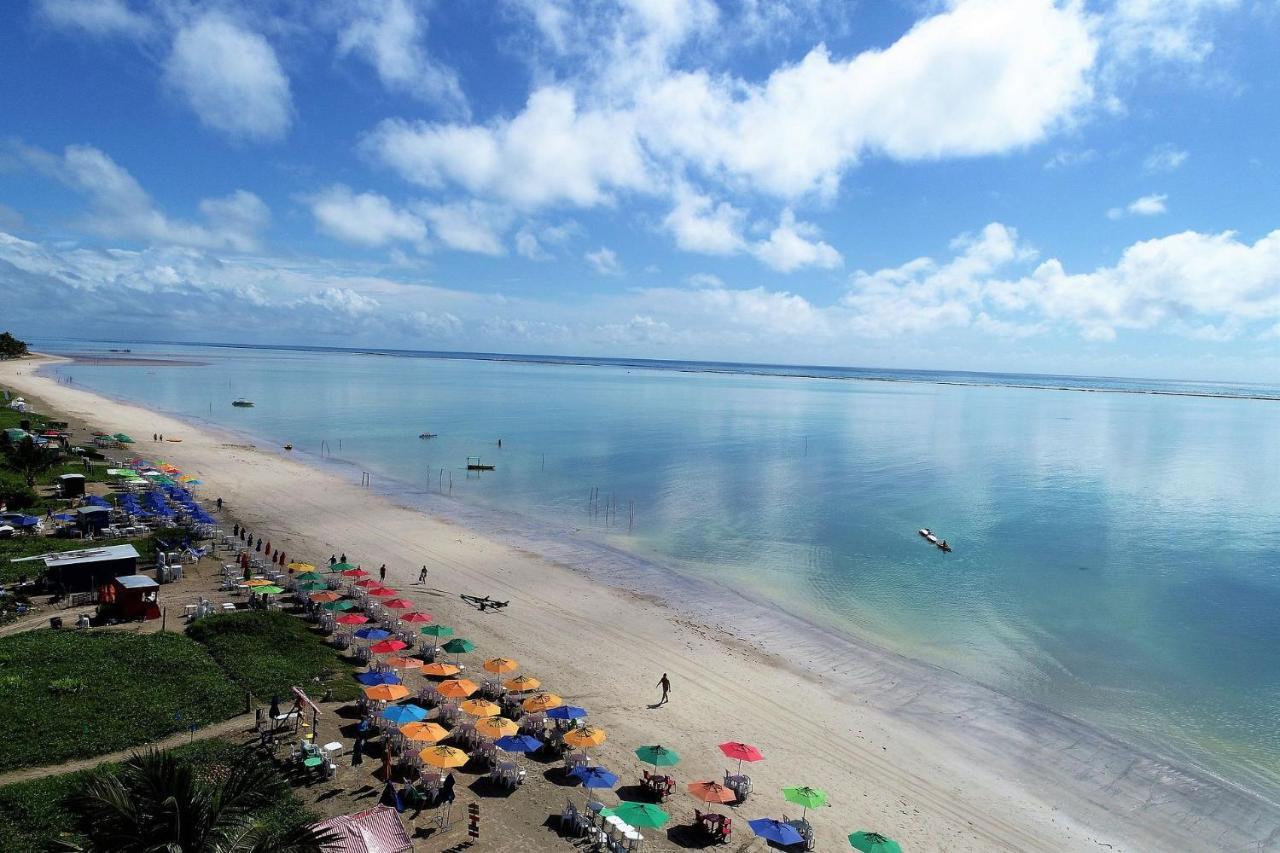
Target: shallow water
[{"x": 1115, "y": 553}]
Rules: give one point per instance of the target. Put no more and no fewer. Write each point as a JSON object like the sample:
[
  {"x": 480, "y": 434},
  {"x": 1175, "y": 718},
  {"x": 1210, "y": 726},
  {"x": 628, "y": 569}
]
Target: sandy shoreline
[{"x": 904, "y": 749}]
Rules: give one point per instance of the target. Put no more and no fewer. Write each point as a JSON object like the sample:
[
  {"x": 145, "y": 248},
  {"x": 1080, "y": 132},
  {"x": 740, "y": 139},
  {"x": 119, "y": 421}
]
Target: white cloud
[
  {"x": 1065, "y": 158},
  {"x": 794, "y": 245},
  {"x": 604, "y": 261},
  {"x": 120, "y": 207},
  {"x": 96, "y": 17},
  {"x": 468, "y": 226},
  {"x": 1147, "y": 205},
  {"x": 701, "y": 225},
  {"x": 1166, "y": 31},
  {"x": 550, "y": 154},
  {"x": 365, "y": 219},
  {"x": 533, "y": 238},
  {"x": 705, "y": 279},
  {"x": 231, "y": 78},
  {"x": 389, "y": 34},
  {"x": 1164, "y": 158}
]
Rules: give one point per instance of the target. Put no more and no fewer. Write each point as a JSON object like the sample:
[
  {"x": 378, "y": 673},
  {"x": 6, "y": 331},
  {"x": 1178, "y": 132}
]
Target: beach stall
[
  {"x": 130, "y": 597},
  {"x": 90, "y": 568},
  {"x": 91, "y": 519},
  {"x": 71, "y": 485},
  {"x": 378, "y": 830}
]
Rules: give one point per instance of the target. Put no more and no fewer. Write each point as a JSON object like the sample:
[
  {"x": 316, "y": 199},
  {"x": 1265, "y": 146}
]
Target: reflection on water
[{"x": 1115, "y": 554}]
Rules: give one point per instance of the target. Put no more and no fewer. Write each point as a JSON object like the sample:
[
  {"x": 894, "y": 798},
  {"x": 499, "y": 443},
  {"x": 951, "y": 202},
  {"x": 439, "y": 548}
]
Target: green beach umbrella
[
  {"x": 313, "y": 586},
  {"x": 122, "y": 438},
  {"x": 644, "y": 815},
  {"x": 458, "y": 646},
  {"x": 873, "y": 842},
  {"x": 341, "y": 567},
  {"x": 438, "y": 631},
  {"x": 658, "y": 756},
  {"x": 268, "y": 590},
  {"x": 803, "y": 795},
  {"x": 310, "y": 576},
  {"x": 338, "y": 605}
]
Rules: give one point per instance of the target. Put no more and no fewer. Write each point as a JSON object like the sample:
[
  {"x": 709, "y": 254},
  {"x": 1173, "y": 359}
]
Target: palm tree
[
  {"x": 27, "y": 459},
  {"x": 155, "y": 804}
]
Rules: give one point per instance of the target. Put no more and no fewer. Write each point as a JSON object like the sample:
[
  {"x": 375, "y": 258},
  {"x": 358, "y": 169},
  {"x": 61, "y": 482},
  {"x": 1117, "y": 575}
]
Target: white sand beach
[{"x": 904, "y": 749}]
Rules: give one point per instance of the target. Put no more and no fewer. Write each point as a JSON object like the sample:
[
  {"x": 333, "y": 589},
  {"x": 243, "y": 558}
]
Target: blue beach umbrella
[
  {"x": 776, "y": 831},
  {"x": 594, "y": 777},
  {"x": 567, "y": 712},
  {"x": 401, "y": 714},
  {"x": 65, "y": 516},
  {"x": 369, "y": 679},
  {"x": 518, "y": 743},
  {"x": 372, "y": 634}
]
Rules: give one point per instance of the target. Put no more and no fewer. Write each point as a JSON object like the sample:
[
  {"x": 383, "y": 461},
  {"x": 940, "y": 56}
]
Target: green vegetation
[
  {"x": 28, "y": 546},
  {"x": 128, "y": 689},
  {"x": 36, "y": 815},
  {"x": 268, "y": 652},
  {"x": 11, "y": 347}
]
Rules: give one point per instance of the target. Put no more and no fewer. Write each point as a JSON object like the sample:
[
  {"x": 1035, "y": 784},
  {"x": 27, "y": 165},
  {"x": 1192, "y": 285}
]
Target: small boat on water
[
  {"x": 428, "y": 434},
  {"x": 288, "y": 447},
  {"x": 932, "y": 539},
  {"x": 242, "y": 403}
]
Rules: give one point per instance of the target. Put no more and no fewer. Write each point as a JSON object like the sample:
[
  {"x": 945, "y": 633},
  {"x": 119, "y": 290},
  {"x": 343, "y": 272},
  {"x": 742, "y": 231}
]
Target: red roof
[{"x": 377, "y": 830}]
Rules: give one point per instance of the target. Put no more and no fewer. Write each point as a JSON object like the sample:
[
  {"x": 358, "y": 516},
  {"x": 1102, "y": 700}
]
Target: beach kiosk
[
  {"x": 91, "y": 519},
  {"x": 90, "y": 568},
  {"x": 71, "y": 485},
  {"x": 130, "y": 597}
]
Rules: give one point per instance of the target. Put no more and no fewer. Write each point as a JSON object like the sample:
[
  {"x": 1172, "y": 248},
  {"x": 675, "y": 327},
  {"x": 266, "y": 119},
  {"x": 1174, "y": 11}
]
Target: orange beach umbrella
[
  {"x": 425, "y": 732},
  {"x": 440, "y": 670},
  {"x": 404, "y": 663},
  {"x": 712, "y": 792},
  {"x": 496, "y": 727},
  {"x": 443, "y": 756},
  {"x": 585, "y": 736},
  {"x": 322, "y": 597},
  {"x": 521, "y": 683},
  {"x": 542, "y": 702},
  {"x": 458, "y": 688},
  {"x": 480, "y": 708},
  {"x": 386, "y": 692},
  {"x": 500, "y": 665}
]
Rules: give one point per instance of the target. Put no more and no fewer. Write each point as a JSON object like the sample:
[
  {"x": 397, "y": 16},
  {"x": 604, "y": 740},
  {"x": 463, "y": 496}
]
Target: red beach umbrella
[
  {"x": 384, "y": 592},
  {"x": 355, "y": 573},
  {"x": 741, "y": 751},
  {"x": 351, "y": 619},
  {"x": 415, "y": 617},
  {"x": 388, "y": 646},
  {"x": 398, "y": 604},
  {"x": 367, "y": 583}
]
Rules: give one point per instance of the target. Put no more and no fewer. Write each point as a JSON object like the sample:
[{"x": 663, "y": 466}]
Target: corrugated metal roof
[
  {"x": 91, "y": 555},
  {"x": 136, "y": 582}
]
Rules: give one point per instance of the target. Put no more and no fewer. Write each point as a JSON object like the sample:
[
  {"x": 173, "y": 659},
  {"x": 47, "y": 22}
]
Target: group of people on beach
[{"x": 274, "y": 556}]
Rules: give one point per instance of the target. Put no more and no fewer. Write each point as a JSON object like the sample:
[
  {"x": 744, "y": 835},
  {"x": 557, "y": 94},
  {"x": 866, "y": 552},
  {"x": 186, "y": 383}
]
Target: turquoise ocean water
[{"x": 1117, "y": 555}]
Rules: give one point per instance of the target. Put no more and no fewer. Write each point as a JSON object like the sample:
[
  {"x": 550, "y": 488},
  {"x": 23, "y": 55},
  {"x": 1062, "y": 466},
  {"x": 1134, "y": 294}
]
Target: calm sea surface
[{"x": 1117, "y": 555}]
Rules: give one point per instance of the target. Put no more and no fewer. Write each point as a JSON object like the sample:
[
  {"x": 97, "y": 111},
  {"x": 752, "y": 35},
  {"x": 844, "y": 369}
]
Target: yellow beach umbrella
[
  {"x": 425, "y": 732},
  {"x": 496, "y": 727},
  {"x": 386, "y": 692},
  {"x": 542, "y": 702},
  {"x": 302, "y": 567},
  {"x": 480, "y": 708},
  {"x": 443, "y": 756},
  {"x": 521, "y": 683},
  {"x": 458, "y": 688},
  {"x": 442, "y": 670},
  {"x": 259, "y": 582},
  {"x": 585, "y": 736},
  {"x": 500, "y": 665}
]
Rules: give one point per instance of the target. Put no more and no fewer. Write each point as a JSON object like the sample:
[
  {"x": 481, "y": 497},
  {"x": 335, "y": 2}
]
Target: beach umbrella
[
  {"x": 873, "y": 842},
  {"x": 269, "y": 590},
  {"x": 480, "y": 708},
  {"x": 658, "y": 756},
  {"x": 338, "y": 605},
  {"x": 541, "y": 702},
  {"x": 415, "y": 617},
  {"x": 496, "y": 727},
  {"x": 322, "y": 597},
  {"x": 457, "y": 688},
  {"x": 440, "y": 670},
  {"x": 309, "y": 576},
  {"x": 712, "y": 792},
  {"x": 313, "y": 586},
  {"x": 404, "y": 663},
  {"x": 371, "y": 679},
  {"x": 122, "y": 438},
  {"x": 458, "y": 646},
  {"x": 567, "y": 712},
  {"x": 384, "y": 592},
  {"x": 803, "y": 795},
  {"x": 65, "y": 516},
  {"x": 518, "y": 743},
  {"x": 400, "y": 714},
  {"x": 302, "y": 567},
  {"x": 521, "y": 683},
  {"x": 425, "y": 732},
  {"x": 437, "y": 631},
  {"x": 783, "y": 834},
  {"x": 367, "y": 583},
  {"x": 594, "y": 777},
  {"x": 398, "y": 604},
  {"x": 355, "y": 573},
  {"x": 386, "y": 647},
  {"x": 741, "y": 751},
  {"x": 372, "y": 634},
  {"x": 443, "y": 756},
  {"x": 258, "y": 582},
  {"x": 585, "y": 736},
  {"x": 642, "y": 815},
  {"x": 352, "y": 619},
  {"x": 386, "y": 692},
  {"x": 500, "y": 666},
  {"x": 341, "y": 567}
]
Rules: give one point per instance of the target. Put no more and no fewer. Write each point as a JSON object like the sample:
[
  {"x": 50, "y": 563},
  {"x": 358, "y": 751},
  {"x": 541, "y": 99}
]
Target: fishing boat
[
  {"x": 932, "y": 539},
  {"x": 427, "y": 434},
  {"x": 242, "y": 403},
  {"x": 288, "y": 447}
]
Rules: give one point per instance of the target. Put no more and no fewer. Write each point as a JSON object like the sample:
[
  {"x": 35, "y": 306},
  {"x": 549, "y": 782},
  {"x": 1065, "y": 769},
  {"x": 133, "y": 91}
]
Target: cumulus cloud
[
  {"x": 700, "y": 225},
  {"x": 364, "y": 219},
  {"x": 95, "y": 17},
  {"x": 120, "y": 207},
  {"x": 1164, "y": 158},
  {"x": 388, "y": 34},
  {"x": 604, "y": 261},
  {"x": 1147, "y": 205},
  {"x": 231, "y": 78},
  {"x": 1168, "y": 31},
  {"x": 468, "y": 226},
  {"x": 794, "y": 245}
]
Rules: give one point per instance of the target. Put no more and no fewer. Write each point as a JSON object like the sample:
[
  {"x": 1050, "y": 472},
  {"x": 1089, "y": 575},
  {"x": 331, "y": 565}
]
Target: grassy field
[
  {"x": 36, "y": 815},
  {"x": 269, "y": 652},
  {"x": 75, "y": 694}
]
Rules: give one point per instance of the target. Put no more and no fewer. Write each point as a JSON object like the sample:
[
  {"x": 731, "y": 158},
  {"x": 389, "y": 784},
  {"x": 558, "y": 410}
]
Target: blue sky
[{"x": 983, "y": 184}]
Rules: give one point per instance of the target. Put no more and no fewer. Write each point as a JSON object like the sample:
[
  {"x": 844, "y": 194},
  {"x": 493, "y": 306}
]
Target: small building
[
  {"x": 131, "y": 597},
  {"x": 71, "y": 485},
  {"x": 90, "y": 568},
  {"x": 91, "y": 519}
]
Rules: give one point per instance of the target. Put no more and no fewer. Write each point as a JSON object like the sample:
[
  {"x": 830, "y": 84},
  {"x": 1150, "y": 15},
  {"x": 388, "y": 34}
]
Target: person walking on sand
[
  {"x": 219, "y": 504},
  {"x": 665, "y": 684},
  {"x": 422, "y": 575},
  {"x": 382, "y": 572}
]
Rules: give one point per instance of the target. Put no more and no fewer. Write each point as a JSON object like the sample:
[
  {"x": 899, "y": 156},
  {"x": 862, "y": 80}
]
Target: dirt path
[{"x": 236, "y": 724}]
